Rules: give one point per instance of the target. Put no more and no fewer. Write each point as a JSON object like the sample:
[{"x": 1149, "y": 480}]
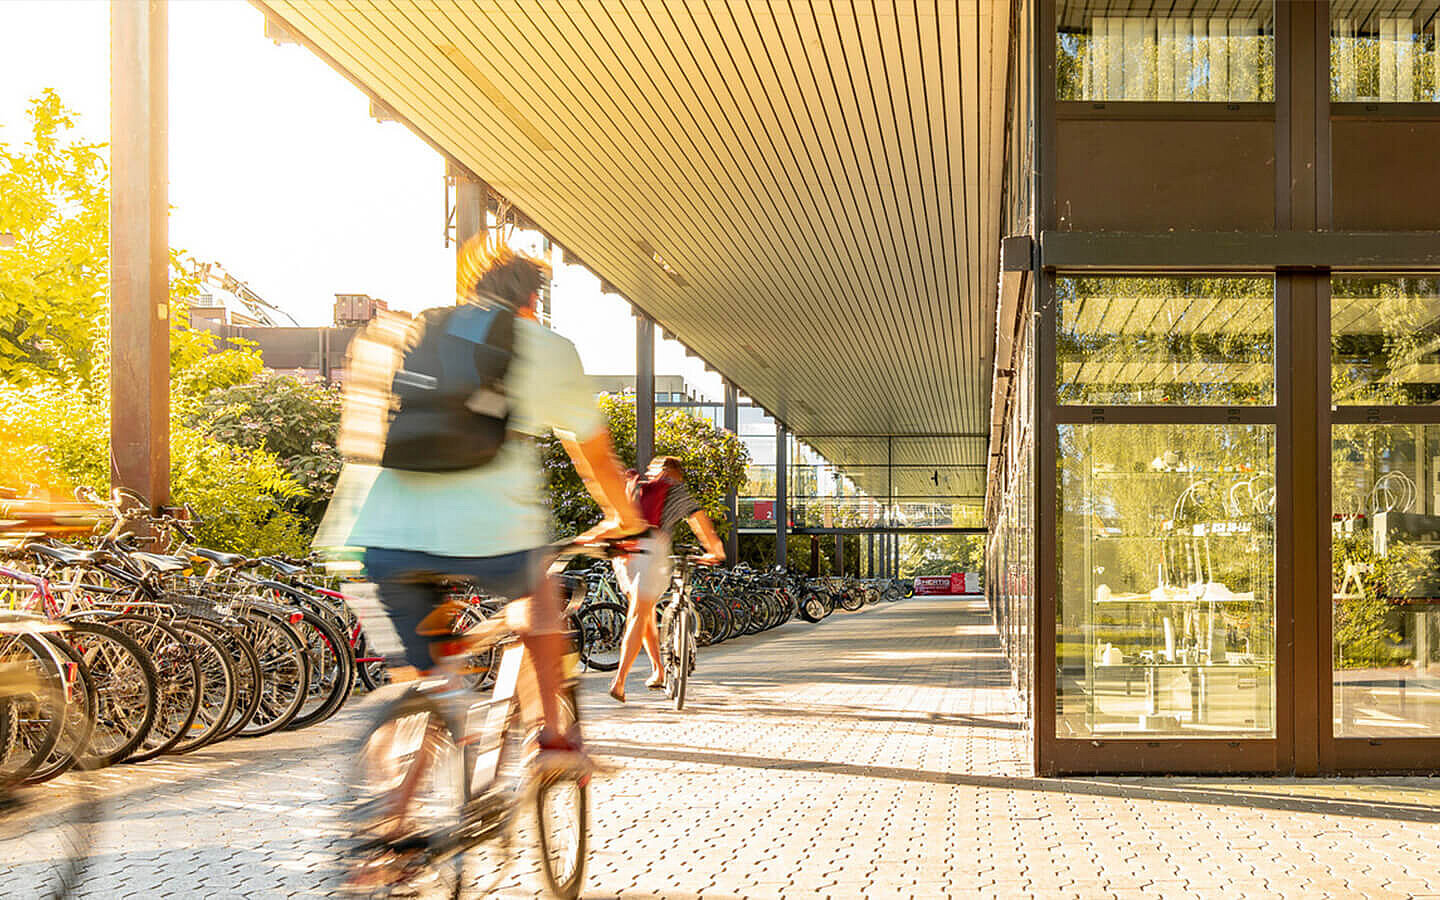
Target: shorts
[
  {"x": 412, "y": 583},
  {"x": 648, "y": 571}
]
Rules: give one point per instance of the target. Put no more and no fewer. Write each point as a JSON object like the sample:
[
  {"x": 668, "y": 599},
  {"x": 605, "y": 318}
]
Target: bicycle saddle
[
  {"x": 67, "y": 556},
  {"x": 227, "y": 560},
  {"x": 160, "y": 562},
  {"x": 279, "y": 565}
]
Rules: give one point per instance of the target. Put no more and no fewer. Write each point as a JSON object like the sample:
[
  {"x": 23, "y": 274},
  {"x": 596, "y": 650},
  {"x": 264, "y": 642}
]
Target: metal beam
[
  {"x": 782, "y": 509},
  {"x": 1235, "y": 251},
  {"x": 139, "y": 250},
  {"x": 644, "y": 390},
  {"x": 870, "y": 554},
  {"x": 732, "y": 497},
  {"x": 840, "y": 554}
]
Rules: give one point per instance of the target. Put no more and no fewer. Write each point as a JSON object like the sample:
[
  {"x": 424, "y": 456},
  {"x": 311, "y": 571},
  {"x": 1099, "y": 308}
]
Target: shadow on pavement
[{"x": 1128, "y": 789}]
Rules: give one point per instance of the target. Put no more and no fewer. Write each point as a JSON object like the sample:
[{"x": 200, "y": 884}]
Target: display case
[{"x": 1167, "y": 623}]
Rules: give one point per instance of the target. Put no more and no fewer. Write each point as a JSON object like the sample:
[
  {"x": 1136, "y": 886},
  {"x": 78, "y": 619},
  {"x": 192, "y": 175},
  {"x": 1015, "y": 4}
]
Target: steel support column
[
  {"x": 782, "y": 504},
  {"x": 870, "y": 555},
  {"x": 732, "y": 498},
  {"x": 644, "y": 390},
  {"x": 840, "y": 554},
  {"x": 472, "y": 196},
  {"x": 139, "y": 251}
]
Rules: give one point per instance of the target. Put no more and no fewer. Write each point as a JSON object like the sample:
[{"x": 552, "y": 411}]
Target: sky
[{"x": 278, "y": 172}]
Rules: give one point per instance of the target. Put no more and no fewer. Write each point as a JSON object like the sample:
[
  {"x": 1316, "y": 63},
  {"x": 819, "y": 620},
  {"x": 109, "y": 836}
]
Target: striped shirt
[{"x": 679, "y": 505}]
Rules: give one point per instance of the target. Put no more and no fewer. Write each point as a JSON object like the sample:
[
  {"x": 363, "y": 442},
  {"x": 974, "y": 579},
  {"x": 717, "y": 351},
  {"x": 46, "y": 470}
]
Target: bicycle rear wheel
[
  {"x": 602, "y": 626},
  {"x": 126, "y": 691},
  {"x": 407, "y": 790}
]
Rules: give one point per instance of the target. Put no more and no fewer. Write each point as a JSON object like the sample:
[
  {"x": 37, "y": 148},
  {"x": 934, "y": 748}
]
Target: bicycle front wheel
[
  {"x": 562, "y": 812},
  {"x": 684, "y": 655}
]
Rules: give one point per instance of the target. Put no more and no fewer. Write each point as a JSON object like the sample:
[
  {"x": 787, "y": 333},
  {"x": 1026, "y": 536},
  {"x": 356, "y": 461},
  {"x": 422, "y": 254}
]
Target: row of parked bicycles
[
  {"x": 729, "y": 603},
  {"x": 121, "y": 648}
]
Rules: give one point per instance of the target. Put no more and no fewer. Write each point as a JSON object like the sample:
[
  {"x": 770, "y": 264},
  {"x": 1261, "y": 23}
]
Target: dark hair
[
  {"x": 672, "y": 465},
  {"x": 512, "y": 278},
  {"x": 487, "y": 266}
]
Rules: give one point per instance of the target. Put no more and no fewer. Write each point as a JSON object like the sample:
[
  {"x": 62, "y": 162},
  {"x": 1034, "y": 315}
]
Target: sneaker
[{"x": 558, "y": 755}]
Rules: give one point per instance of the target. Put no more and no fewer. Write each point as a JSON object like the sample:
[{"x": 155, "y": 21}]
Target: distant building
[
  {"x": 668, "y": 388},
  {"x": 356, "y": 309}
]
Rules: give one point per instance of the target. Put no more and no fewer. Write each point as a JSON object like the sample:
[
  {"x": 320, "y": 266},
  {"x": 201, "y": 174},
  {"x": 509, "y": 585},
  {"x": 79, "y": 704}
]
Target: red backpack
[{"x": 649, "y": 495}]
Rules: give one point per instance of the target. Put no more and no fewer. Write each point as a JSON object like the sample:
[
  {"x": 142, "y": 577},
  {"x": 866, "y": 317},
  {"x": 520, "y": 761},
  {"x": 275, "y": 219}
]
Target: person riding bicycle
[
  {"x": 488, "y": 524},
  {"x": 666, "y": 502}
]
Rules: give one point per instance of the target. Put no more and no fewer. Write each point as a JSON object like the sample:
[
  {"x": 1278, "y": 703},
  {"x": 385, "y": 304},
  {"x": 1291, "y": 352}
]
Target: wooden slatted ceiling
[{"x": 825, "y": 178}]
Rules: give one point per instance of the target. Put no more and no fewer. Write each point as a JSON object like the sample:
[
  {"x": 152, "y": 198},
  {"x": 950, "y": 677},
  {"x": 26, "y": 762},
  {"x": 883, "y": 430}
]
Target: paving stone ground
[{"x": 878, "y": 754}]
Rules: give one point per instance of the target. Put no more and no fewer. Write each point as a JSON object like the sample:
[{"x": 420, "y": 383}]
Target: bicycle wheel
[
  {"x": 180, "y": 683},
  {"x": 684, "y": 654},
  {"x": 603, "y": 628},
  {"x": 80, "y": 699},
  {"x": 851, "y": 601},
  {"x": 407, "y": 843},
  {"x": 126, "y": 691},
  {"x": 218, "y": 686},
  {"x": 284, "y": 676},
  {"x": 562, "y": 818},
  {"x": 35, "y": 715},
  {"x": 331, "y": 671},
  {"x": 247, "y": 680}
]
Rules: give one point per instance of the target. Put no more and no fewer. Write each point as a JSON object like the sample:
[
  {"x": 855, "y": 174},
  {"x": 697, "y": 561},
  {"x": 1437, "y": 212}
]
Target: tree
[
  {"x": 55, "y": 360},
  {"x": 296, "y": 421},
  {"x": 54, "y": 199},
  {"x": 714, "y": 461},
  {"x": 941, "y": 554}
]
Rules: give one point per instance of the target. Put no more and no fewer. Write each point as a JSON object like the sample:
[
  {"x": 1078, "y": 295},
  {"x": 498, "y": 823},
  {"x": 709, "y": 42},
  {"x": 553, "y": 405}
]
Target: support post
[
  {"x": 644, "y": 390},
  {"x": 782, "y": 506},
  {"x": 840, "y": 554},
  {"x": 870, "y": 555},
  {"x": 732, "y": 498},
  {"x": 139, "y": 251},
  {"x": 472, "y": 196}
]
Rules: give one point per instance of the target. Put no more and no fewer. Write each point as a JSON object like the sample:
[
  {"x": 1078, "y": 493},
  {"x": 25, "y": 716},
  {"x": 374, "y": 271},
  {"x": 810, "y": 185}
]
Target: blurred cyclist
[
  {"x": 665, "y": 502},
  {"x": 488, "y": 523}
]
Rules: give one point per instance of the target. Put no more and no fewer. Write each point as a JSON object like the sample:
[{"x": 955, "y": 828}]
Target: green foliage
[
  {"x": 941, "y": 554},
  {"x": 1366, "y": 632},
  {"x": 295, "y": 421},
  {"x": 54, "y": 200},
  {"x": 55, "y": 361},
  {"x": 714, "y": 462}
]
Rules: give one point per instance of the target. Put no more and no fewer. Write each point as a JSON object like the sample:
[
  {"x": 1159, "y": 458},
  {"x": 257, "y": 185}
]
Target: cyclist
[
  {"x": 646, "y": 575},
  {"x": 490, "y": 523}
]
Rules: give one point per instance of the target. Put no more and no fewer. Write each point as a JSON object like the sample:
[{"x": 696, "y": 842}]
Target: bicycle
[
  {"x": 679, "y": 629},
  {"x": 441, "y": 774}
]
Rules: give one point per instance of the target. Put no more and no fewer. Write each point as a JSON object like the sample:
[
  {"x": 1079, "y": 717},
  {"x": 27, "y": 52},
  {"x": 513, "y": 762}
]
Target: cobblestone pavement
[{"x": 877, "y": 754}]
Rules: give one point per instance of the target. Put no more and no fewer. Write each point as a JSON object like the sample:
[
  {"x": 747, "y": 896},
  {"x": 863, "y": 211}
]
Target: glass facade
[
  {"x": 1384, "y": 53},
  {"x": 1385, "y": 554},
  {"x": 1166, "y": 341},
  {"x": 1385, "y": 340},
  {"x": 1166, "y": 613},
  {"x": 1385, "y": 507},
  {"x": 1183, "y": 51}
]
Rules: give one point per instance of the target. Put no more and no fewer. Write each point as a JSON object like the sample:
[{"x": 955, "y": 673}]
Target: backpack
[
  {"x": 649, "y": 495},
  {"x": 446, "y": 408}
]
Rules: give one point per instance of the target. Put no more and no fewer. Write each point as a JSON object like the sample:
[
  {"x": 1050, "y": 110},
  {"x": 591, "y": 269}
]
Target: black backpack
[{"x": 449, "y": 410}]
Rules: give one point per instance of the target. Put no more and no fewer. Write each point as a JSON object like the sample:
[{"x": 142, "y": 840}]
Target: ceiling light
[
  {"x": 660, "y": 261},
  {"x": 502, "y": 103}
]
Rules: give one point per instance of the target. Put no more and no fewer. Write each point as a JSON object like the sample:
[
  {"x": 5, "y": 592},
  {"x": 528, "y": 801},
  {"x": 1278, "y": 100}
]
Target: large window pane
[
  {"x": 1166, "y": 614},
  {"x": 1166, "y": 341},
  {"x": 1383, "y": 53},
  {"x": 1192, "y": 51},
  {"x": 1386, "y": 580},
  {"x": 1385, "y": 340}
]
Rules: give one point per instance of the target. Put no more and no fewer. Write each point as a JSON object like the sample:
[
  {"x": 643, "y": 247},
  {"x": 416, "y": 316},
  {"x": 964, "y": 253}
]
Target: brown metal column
[
  {"x": 732, "y": 497},
  {"x": 139, "y": 251},
  {"x": 1302, "y": 129}
]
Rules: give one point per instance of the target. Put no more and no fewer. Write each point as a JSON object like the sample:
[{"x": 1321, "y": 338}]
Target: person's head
[
  {"x": 668, "y": 466},
  {"x": 487, "y": 266}
]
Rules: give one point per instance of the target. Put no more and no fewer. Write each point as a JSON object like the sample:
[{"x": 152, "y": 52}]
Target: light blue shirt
[{"x": 496, "y": 509}]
